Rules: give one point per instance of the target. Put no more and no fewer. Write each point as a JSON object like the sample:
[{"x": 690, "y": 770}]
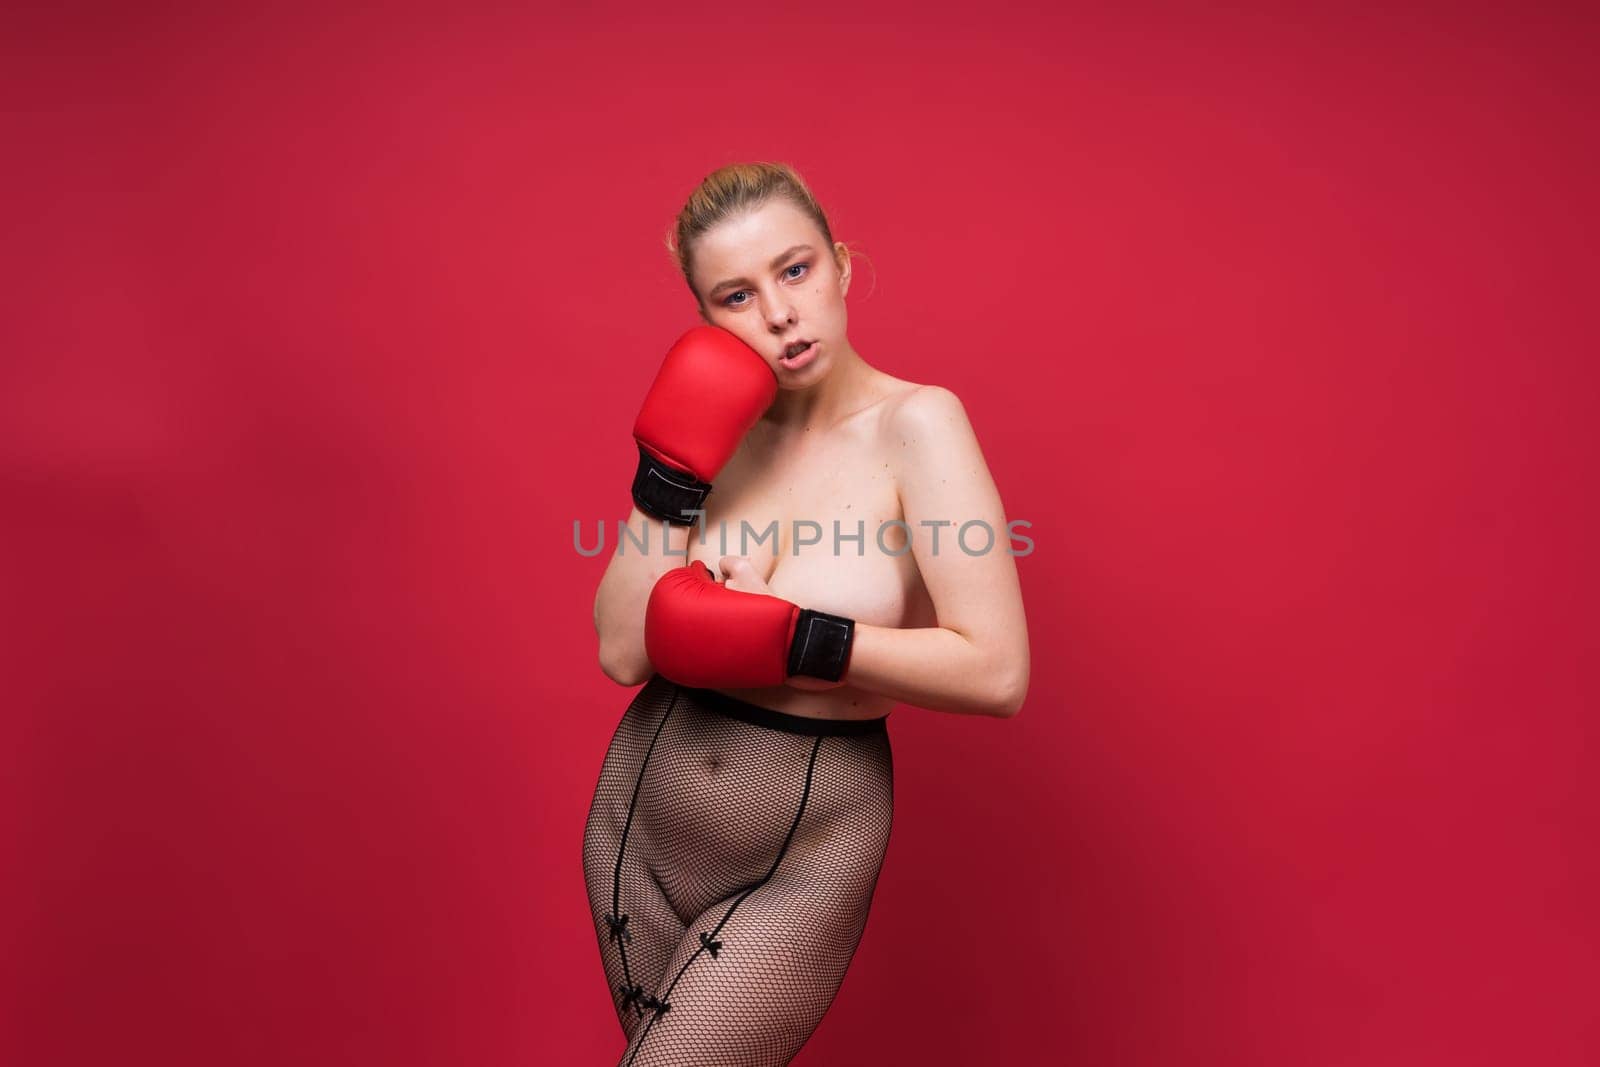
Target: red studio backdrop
[{"x": 322, "y": 327}]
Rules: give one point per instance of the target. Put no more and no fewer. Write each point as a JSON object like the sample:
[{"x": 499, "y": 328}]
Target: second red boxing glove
[{"x": 702, "y": 634}]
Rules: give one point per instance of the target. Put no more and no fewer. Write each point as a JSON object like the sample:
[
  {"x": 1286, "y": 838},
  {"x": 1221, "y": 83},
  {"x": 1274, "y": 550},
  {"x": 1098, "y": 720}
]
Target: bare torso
[{"x": 842, "y": 473}]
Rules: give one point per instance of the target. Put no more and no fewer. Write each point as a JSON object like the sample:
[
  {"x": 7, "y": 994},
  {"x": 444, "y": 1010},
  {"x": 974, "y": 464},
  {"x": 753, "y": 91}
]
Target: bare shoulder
[
  {"x": 930, "y": 446},
  {"x": 890, "y": 392},
  {"x": 918, "y": 411}
]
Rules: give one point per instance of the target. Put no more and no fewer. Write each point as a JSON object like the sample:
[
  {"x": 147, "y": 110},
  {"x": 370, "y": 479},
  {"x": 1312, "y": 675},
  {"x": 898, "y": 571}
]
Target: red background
[{"x": 322, "y": 328}]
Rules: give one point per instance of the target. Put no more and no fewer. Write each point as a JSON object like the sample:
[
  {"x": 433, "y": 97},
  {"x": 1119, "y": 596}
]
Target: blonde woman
[{"x": 810, "y": 579}]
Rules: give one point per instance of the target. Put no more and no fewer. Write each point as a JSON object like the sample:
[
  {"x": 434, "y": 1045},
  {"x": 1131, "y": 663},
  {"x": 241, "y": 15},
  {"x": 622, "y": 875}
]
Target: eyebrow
[{"x": 715, "y": 289}]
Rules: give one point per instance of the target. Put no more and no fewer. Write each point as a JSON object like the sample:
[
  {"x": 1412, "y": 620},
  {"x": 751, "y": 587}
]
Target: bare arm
[
  {"x": 976, "y": 661},
  {"x": 625, "y": 587}
]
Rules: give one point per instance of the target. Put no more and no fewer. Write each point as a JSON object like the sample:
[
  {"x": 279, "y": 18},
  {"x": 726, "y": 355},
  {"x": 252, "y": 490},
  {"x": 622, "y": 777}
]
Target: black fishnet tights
[{"x": 730, "y": 867}]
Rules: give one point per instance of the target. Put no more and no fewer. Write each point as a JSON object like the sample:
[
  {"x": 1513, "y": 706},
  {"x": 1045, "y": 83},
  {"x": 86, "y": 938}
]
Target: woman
[{"x": 745, "y": 802}]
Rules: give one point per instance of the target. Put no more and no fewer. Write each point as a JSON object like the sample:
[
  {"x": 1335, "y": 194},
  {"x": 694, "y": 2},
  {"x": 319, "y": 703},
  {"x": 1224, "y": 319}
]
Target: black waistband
[{"x": 756, "y": 715}]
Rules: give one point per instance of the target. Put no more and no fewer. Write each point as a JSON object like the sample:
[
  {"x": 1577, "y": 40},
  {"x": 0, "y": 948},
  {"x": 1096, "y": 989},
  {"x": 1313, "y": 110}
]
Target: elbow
[
  {"x": 623, "y": 671},
  {"x": 1012, "y": 694}
]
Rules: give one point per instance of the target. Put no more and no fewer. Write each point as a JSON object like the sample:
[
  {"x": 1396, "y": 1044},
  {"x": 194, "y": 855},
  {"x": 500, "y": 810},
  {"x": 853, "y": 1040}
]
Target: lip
[{"x": 805, "y": 356}]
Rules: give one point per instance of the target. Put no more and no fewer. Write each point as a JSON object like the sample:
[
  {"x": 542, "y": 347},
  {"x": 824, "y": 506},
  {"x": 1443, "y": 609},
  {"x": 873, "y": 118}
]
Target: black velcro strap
[
  {"x": 667, "y": 492},
  {"x": 821, "y": 646}
]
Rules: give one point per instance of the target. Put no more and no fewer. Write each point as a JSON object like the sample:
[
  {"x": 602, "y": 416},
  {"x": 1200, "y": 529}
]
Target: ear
[{"x": 842, "y": 255}]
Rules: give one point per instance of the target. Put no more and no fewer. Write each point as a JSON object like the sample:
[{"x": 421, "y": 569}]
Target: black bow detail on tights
[
  {"x": 650, "y": 1003},
  {"x": 619, "y": 928},
  {"x": 630, "y": 993},
  {"x": 707, "y": 942}
]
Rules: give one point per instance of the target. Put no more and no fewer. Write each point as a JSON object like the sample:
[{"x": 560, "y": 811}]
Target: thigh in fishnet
[
  {"x": 754, "y": 974},
  {"x": 637, "y": 946},
  {"x": 636, "y": 926},
  {"x": 780, "y": 961}
]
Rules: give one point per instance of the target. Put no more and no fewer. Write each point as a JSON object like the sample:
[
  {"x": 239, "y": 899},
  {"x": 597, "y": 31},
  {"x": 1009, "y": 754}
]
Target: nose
[{"x": 779, "y": 311}]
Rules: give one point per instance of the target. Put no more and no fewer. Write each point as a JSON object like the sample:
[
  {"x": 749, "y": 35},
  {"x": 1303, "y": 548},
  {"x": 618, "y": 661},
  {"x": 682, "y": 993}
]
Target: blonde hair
[{"x": 731, "y": 191}]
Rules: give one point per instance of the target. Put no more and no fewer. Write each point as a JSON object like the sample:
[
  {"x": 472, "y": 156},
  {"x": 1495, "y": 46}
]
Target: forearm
[
  {"x": 619, "y": 601},
  {"x": 934, "y": 668}
]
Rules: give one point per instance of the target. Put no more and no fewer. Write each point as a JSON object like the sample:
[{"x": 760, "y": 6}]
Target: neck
[{"x": 820, "y": 405}]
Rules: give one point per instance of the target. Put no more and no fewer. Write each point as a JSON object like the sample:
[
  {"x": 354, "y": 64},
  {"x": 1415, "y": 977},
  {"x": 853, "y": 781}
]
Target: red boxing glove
[
  {"x": 704, "y": 635},
  {"x": 711, "y": 388}
]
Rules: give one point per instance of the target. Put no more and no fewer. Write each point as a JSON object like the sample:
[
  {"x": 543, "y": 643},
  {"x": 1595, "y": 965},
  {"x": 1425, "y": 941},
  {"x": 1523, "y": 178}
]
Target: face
[{"x": 770, "y": 279}]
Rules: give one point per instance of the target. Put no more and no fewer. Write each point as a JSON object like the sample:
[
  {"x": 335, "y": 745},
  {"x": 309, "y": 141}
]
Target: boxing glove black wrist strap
[
  {"x": 821, "y": 645},
  {"x": 667, "y": 492}
]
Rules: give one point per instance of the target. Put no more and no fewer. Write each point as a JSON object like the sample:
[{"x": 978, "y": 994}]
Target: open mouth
[{"x": 796, "y": 348}]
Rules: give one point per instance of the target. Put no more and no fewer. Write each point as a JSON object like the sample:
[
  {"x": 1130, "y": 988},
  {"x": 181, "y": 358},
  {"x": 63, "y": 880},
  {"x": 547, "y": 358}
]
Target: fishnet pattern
[{"x": 730, "y": 868}]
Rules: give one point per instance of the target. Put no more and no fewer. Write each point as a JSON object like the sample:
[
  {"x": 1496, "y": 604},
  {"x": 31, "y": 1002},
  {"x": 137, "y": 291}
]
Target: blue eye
[{"x": 729, "y": 302}]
